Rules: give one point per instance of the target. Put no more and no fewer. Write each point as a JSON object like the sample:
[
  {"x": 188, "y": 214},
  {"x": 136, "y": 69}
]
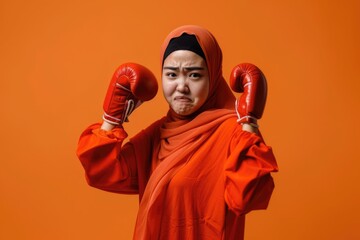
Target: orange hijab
[
  {"x": 220, "y": 95},
  {"x": 181, "y": 136}
]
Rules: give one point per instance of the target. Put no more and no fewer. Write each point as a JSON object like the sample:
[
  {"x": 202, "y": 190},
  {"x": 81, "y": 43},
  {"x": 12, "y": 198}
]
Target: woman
[{"x": 203, "y": 166}]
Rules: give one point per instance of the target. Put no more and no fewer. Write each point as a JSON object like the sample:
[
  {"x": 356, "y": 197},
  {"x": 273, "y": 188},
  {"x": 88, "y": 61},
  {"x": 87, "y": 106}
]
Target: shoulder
[
  {"x": 150, "y": 133},
  {"x": 155, "y": 126},
  {"x": 230, "y": 124}
]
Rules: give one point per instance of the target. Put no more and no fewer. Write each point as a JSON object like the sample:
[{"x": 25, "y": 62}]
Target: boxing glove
[
  {"x": 130, "y": 85},
  {"x": 248, "y": 79}
]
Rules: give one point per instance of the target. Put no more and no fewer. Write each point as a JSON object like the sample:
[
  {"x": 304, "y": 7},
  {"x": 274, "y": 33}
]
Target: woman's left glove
[
  {"x": 249, "y": 79},
  {"x": 130, "y": 85}
]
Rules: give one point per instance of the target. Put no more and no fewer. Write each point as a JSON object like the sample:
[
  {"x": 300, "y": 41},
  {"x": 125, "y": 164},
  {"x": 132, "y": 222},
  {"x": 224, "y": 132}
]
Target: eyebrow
[{"x": 186, "y": 68}]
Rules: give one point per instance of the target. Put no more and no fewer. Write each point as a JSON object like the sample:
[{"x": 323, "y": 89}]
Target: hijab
[
  {"x": 220, "y": 95},
  {"x": 182, "y": 136}
]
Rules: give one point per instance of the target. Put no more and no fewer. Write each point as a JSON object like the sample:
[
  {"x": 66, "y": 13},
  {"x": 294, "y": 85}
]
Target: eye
[
  {"x": 170, "y": 74},
  {"x": 195, "y": 75}
]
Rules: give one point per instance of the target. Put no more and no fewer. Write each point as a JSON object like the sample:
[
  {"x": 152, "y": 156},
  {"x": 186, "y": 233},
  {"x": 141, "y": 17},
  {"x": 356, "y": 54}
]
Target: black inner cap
[{"x": 184, "y": 42}]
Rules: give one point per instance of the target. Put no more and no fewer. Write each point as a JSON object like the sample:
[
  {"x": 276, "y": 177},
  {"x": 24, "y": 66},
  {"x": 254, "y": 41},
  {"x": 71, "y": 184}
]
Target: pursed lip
[{"x": 182, "y": 99}]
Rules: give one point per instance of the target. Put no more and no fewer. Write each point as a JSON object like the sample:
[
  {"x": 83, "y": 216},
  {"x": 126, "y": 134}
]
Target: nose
[{"x": 183, "y": 85}]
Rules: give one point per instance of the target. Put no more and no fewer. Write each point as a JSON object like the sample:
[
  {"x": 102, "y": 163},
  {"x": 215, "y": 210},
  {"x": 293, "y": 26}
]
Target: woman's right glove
[{"x": 130, "y": 85}]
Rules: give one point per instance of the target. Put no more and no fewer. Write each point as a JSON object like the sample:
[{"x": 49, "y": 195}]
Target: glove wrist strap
[{"x": 245, "y": 119}]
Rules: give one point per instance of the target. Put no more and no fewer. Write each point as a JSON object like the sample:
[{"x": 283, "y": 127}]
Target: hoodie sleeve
[
  {"x": 248, "y": 181},
  {"x": 108, "y": 164}
]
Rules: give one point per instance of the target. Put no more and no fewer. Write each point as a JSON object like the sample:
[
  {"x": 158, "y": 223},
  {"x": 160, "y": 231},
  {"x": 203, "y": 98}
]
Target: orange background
[{"x": 56, "y": 61}]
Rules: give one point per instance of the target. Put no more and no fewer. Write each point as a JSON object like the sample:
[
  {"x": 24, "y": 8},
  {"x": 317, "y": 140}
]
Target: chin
[{"x": 183, "y": 112}]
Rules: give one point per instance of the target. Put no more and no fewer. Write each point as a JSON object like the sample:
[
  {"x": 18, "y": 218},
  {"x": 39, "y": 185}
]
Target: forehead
[{"x": 184, "y": 57}]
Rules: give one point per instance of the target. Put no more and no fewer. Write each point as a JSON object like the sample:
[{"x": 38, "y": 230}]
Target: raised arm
[{"x": 109, "y": 165}]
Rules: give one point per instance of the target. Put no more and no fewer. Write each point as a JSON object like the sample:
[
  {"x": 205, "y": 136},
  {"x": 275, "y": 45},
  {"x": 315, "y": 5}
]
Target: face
[{"x": 185, "y": 81}]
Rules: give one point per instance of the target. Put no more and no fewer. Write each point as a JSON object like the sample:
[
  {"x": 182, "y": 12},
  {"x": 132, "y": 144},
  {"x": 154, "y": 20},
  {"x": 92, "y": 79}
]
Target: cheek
[
  {"x": 168, "y": 88},
  {"x": 201, "y": 90}
]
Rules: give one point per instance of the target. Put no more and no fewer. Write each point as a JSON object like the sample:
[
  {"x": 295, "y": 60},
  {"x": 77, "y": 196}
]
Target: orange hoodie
[{"x": 196, "y": 176}]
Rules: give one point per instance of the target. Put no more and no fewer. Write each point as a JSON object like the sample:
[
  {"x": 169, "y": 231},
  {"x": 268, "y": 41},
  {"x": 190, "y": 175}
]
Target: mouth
[{"x": 182, "y": 99}]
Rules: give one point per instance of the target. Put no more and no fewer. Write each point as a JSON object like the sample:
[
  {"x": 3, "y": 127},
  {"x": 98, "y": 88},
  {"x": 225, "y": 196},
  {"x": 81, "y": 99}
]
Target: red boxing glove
[
  {"x": 130, "y": 85},
  {"x": 249, "y": 79}
]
